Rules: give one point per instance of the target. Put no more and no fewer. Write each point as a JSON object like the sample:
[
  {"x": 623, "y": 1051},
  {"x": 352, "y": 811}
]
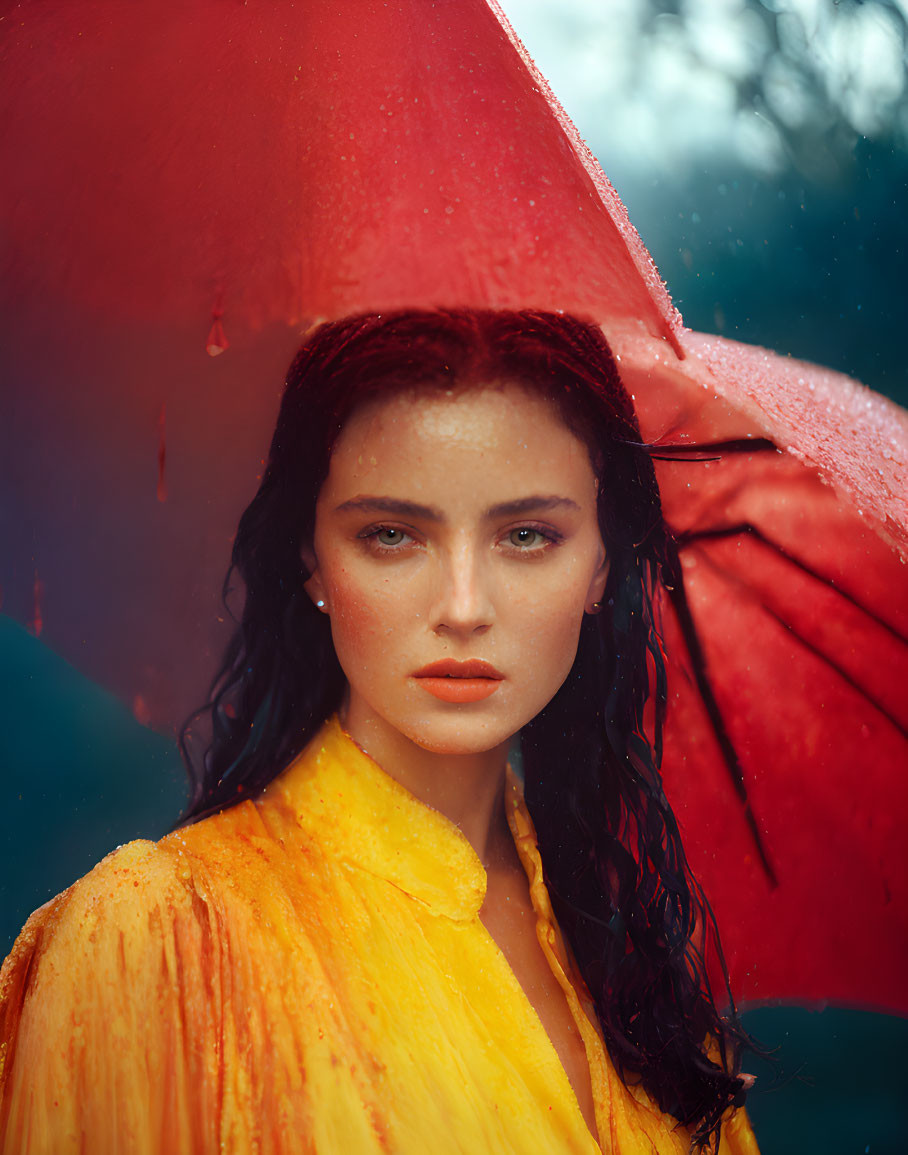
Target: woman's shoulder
[
  {"x": 127, "y": 880},
  {"x": 138, "y": 892},
  {"x": 106, "y": 979},
  {"x": 95, "y": 992}
]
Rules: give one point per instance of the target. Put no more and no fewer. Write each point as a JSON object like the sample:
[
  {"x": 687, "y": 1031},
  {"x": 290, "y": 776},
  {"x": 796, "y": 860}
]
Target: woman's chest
[
  {"x": 368, "y": 1021},
  {"x": 511, "y": 920}
]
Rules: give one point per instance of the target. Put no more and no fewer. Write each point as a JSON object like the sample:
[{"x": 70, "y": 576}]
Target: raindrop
[
  {"x": 37, "y": 622},
  {"x": 217, "y": 341},
  {"x": 162, "y": 453}
]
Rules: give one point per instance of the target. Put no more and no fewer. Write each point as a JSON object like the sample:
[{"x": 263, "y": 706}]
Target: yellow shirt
[{"x": 303, "y": 973}]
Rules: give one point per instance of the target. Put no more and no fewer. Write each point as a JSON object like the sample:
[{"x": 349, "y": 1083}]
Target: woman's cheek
[
  {"x": 362, "y": 616},
  {"x": 559, "y": 620}
]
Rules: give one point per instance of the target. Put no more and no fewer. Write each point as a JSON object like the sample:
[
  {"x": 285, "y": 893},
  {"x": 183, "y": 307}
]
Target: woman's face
[{"x": 455, "y": 528}]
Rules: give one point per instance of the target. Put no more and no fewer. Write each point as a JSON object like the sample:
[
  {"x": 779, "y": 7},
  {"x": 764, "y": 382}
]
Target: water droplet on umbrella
[
  {"x": 37, "y": 623},
  {"x": 162, "y": 453},
  {"x": 217, "y": 341}
]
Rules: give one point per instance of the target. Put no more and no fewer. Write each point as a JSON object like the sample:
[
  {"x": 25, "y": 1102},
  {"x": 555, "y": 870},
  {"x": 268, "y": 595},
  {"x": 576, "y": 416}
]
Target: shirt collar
[{"x": 366, "y": 818}]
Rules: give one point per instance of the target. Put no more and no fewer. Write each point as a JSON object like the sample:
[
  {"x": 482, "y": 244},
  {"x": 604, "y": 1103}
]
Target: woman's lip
[
  {"x": 450, "y": 668},
  {"x": 460, "y": 689},
  {"x": 454, "y": 681}
]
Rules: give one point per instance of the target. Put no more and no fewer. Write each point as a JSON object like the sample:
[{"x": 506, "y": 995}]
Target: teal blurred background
[{"x": 762, "y": 151}]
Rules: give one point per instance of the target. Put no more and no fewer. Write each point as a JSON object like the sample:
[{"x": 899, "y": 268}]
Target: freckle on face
[{"x": 453, "y": 582}]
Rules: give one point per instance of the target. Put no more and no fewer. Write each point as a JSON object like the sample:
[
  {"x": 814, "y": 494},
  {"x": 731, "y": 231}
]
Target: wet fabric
[{"x": 306, "y": 972}]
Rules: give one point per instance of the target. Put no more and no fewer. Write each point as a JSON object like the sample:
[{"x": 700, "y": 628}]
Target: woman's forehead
[
  {"x": 495, "y": 430},
  {"x": 467, "y": 414}
]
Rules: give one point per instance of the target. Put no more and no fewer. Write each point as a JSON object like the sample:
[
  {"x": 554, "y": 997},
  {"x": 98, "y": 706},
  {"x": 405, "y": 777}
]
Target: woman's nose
[{"x": 464, "y": 602}]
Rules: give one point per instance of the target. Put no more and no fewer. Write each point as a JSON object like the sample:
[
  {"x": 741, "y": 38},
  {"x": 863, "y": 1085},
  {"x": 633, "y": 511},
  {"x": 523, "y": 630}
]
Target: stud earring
[
  {"x": 320, "y": 603},
  {"x": 594, "y": 608}
]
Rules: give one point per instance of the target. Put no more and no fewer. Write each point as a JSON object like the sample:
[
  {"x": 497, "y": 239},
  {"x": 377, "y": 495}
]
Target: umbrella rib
[
  {"x": 715, "y": 534},
  {"x": 713, "y": 450},
  {"x": 866, "y": 694},
  {"x": 855, "y": 685},
  {"x": 678, "y": 596}
]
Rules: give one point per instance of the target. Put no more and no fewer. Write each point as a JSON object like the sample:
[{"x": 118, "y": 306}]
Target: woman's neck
[{"x": 468, "y": 789}]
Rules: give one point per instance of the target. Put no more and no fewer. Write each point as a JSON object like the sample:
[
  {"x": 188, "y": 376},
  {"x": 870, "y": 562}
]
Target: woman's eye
[
  {"x": 386, "y": 537},
  {"x": 526, "y": 537},
  {"x": 389, "y": 536}
]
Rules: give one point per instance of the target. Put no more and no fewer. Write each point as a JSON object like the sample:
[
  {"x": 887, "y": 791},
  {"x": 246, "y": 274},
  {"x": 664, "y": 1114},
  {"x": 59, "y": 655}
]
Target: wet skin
[{"x": 460, "y": 527}]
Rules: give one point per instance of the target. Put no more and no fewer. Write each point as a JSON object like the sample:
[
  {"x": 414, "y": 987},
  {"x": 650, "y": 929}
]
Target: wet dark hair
[{"x": 635, "y": 918}]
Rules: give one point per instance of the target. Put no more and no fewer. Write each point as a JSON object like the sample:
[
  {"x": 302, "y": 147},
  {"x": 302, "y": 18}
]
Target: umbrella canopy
[{"x": 185, "y": 179}]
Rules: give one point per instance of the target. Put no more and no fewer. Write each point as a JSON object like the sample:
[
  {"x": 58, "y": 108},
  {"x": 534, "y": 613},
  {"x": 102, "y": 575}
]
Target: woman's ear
[
  {"x": 596, "y": 592},
  {"x": 313, "y": 584}
]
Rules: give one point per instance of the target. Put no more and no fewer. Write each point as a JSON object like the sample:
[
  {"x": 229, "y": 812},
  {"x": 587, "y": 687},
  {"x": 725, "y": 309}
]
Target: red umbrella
[{"x": 189, "y": 176}]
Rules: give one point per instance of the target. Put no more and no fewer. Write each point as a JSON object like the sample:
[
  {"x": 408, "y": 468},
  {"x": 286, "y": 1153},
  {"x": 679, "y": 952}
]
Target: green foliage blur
[{"x": 761, "y": 149}]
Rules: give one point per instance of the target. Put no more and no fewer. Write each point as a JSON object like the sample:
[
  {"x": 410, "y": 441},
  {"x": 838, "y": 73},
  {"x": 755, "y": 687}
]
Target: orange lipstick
[{"x": 459, "y": 682}]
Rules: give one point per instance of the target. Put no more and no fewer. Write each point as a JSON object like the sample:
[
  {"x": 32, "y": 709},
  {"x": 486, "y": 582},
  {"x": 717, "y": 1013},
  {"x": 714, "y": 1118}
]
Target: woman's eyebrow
[
  {"x": 535, "y": 503},
  {"x": 390, "y": 505}
]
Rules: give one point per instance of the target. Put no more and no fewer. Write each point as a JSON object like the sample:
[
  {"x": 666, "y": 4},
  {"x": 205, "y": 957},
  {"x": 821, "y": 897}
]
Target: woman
[{"x": 353, "y": 943}]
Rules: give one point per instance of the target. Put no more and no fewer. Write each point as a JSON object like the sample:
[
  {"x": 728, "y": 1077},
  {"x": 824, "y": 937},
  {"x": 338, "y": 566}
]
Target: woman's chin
[{"x": 461, "y": 734}]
